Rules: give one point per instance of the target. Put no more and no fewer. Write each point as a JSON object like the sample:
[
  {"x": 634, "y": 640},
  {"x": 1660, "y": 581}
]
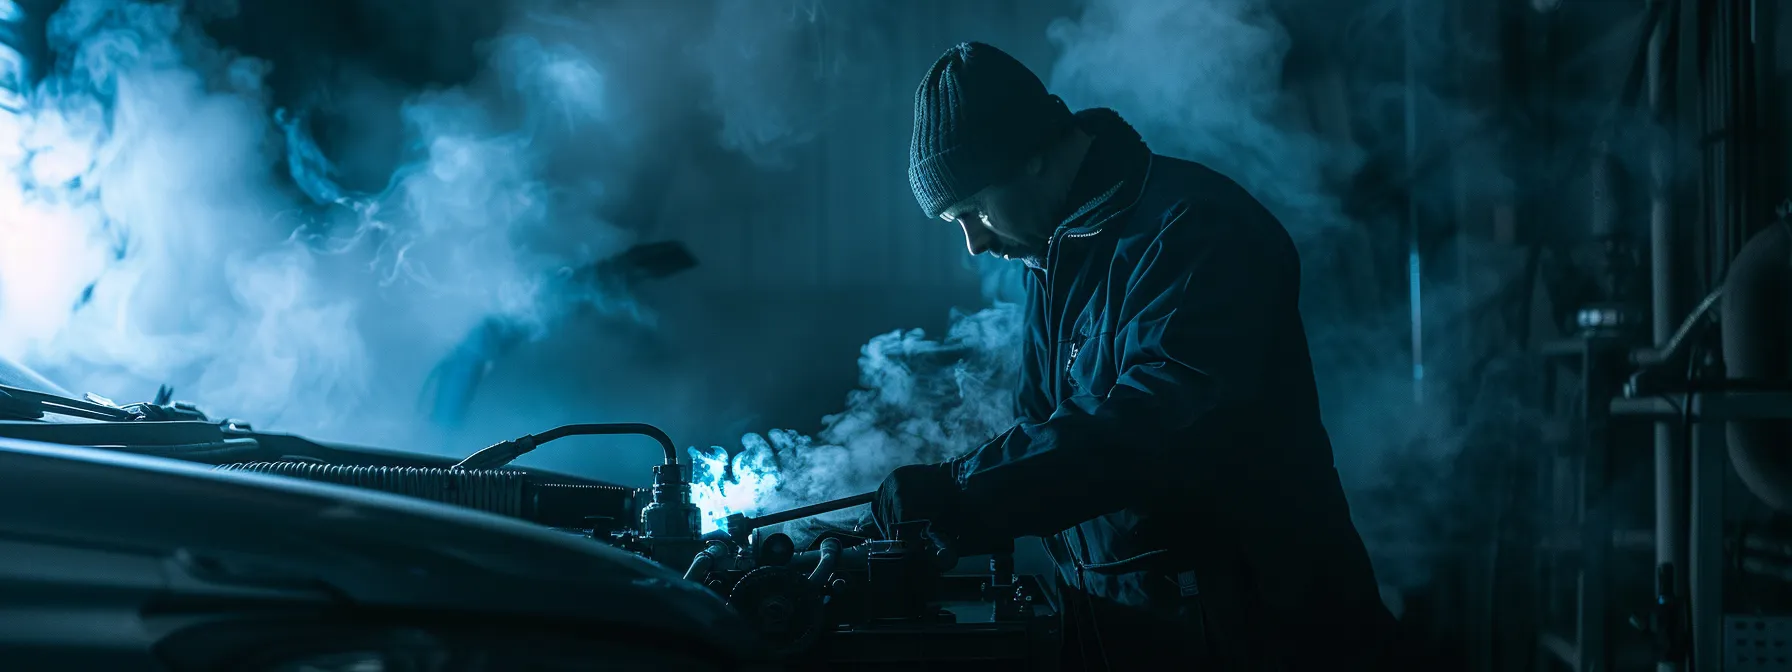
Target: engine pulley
[{"x": 783, "y": 605}]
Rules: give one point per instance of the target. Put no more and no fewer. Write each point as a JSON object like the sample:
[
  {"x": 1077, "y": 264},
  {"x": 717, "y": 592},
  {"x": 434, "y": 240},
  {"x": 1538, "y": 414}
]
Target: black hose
[
  {"x": 598, "y": 429},
  {"x": 500, "y": 454},
  {"x": 493, "y": 491},
  {"x": 706, "y": 560}
]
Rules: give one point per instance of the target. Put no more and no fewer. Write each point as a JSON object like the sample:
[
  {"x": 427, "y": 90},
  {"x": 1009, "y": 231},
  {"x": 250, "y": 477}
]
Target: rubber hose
[
  {"x": 830, "y": 557},
  {"x": 497, "y": 491}
]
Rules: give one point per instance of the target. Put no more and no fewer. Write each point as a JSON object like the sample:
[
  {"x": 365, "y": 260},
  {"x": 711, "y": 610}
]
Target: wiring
[{"x": 500, "y": 454}]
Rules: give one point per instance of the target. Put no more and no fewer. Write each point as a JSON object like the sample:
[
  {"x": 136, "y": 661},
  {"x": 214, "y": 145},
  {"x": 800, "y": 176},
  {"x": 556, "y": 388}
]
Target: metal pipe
[
  {"x": 1670, "y": 528},
  {"x": 830, "y": 557},
  {"x": 738, "y": 525},
  {"x": 700, "y": 566},
  {"x": 1707, "y": 563}
]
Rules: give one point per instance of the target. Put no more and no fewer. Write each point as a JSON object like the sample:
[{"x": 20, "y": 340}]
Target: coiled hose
[{"x": 499, "y": 491}]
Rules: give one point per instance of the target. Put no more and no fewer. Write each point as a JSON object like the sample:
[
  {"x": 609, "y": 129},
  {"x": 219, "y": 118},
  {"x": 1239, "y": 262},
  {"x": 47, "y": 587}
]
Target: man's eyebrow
[{"x": 958, "y": 210}]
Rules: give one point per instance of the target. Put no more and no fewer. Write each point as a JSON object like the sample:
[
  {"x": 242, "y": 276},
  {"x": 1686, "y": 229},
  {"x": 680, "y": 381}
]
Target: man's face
[{"x": 1009, "y": 220}]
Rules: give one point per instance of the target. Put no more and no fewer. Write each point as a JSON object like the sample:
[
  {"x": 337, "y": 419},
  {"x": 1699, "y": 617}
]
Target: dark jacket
[{"x": 1170, "y": 448}]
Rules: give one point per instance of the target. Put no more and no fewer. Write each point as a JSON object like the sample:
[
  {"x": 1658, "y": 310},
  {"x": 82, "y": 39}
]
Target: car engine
[{"x": 848, "y": 598}]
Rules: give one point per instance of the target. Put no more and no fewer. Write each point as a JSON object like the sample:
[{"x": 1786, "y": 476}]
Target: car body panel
[{"x": 94, "y": 542}]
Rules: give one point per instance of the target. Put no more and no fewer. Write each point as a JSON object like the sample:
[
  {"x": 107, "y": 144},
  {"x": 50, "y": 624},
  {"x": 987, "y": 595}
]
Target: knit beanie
[{"x": 979, "y": 115}]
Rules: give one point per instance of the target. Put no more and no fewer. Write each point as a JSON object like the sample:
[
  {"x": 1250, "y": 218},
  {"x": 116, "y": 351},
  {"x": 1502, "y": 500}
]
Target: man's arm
[
  {"x": 1031, "y": 404},
  {"x": 1202, "y": 308}
]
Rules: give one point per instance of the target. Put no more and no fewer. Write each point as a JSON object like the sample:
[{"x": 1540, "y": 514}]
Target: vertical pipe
[
  {"x": 1414, "y": 268},
  {"x": 1670, "y": 531},
  {"x": 1709, "y": 468},
  {"x": 1592, "y": 615}
]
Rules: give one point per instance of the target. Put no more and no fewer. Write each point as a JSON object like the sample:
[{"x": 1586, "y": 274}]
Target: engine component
[
  {"x": 830, "y": 559},
  {"x": 887, "y": 604},
  {"x": 1008, "y": 600},
  {"x": 671, "y": 523},
  {"x": 501, "y": 491},
  {"x": 671, "y": 514},
  {"x": 739, "y": 526},
  {"x": 776, "y": 549},
  {"x": 716, "y": 556},
  {"x": 782, "y": 605},
  {"x": 494, "y": 491},
  {"x": 902, "y": 573}
]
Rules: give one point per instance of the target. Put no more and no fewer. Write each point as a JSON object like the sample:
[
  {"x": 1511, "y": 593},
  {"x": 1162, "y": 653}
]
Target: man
[{"x": 1169, "y": 448}]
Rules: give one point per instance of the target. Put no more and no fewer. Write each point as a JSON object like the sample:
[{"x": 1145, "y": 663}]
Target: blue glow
[{"x": 1418, "y": 317}]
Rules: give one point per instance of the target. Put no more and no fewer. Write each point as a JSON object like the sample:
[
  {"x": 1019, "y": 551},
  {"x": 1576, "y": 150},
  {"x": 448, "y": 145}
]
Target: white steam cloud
[
  {"x": 164, "y": 221},
  {"x": 152, "y": 238},
  {"x": 922, "y": 401}
]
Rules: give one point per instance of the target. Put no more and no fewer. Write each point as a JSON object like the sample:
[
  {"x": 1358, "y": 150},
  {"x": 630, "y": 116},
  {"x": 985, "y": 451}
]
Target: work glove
[
  {"x": 930, "y": 492},
  {"x": 913, "y": 493}
]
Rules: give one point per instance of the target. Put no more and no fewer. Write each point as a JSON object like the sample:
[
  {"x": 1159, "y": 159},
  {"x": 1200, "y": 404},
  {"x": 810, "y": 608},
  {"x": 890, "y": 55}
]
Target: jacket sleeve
[
  {"x": 1031, "y": 401},
  {"x": 1201, "y": 308}
]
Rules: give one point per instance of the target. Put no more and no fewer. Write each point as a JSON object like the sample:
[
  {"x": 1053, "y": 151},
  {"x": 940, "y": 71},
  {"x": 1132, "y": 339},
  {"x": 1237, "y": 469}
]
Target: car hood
[{"x": 310, "y": 542}]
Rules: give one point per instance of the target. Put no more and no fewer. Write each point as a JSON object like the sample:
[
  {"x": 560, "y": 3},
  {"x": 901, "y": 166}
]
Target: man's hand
[
  {"x": 915, "y": 492},
  {"x": 930, "y": 492}
]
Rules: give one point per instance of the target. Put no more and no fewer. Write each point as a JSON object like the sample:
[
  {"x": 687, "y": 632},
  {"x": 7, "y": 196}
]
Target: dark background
[{"x": 1462, "y": 176}]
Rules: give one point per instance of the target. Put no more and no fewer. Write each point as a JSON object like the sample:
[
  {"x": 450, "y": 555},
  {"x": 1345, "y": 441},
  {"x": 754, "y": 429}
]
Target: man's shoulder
[
  {"x": 1186, "y": 196},
  {"x": 1169, "y": 174}
]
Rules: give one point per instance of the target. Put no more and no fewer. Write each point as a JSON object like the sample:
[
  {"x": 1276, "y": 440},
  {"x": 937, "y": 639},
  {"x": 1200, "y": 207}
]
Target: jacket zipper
[
  {"x": 1051, "y": 299},
  {"x": 1053, "y": 244}
]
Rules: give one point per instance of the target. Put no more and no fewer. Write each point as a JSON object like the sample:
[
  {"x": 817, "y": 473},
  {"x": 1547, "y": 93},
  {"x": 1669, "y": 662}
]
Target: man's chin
[
  {"x": 1034, "y": 260},
  {"x": 1021, "y": 254}
]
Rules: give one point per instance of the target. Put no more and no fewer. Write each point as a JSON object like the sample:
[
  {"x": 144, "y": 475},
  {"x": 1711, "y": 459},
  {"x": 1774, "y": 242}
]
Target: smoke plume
[
  {"x": 151, "y": 160},
  {"x": 922, "y": 401},
  {"x": 174, "y": 214}
]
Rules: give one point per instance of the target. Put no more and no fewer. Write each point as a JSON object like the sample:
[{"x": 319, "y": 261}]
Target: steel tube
[
  {"x": 741, "y": 524},
  {"x": 1670, "y": 502}
]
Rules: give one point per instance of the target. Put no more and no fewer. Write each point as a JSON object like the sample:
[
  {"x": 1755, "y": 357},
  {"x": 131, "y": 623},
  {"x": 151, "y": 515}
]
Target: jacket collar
[{"x": 1112, "y": 176}]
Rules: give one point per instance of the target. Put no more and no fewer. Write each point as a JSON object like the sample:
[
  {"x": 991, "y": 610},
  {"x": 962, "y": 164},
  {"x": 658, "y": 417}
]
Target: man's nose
[{"x": 976, "y": 238}]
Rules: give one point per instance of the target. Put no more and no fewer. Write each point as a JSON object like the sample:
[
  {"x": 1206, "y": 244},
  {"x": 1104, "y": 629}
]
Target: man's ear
[{"x": 1036, "y": 165}]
